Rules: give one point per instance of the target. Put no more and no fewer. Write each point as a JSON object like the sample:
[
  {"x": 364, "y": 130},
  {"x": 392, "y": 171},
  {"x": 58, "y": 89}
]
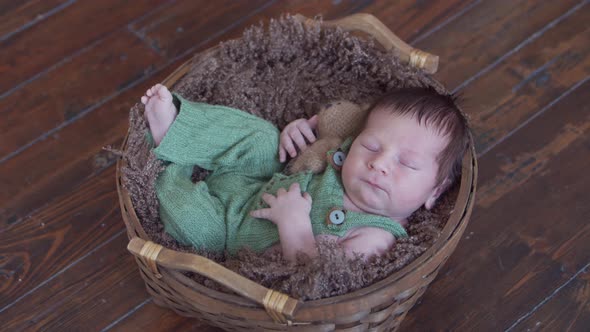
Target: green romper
[{"x": 241, "y": 152}]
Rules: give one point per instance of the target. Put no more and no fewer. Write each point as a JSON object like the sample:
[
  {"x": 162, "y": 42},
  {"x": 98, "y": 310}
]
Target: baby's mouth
[{"x": 375, "y": 184}]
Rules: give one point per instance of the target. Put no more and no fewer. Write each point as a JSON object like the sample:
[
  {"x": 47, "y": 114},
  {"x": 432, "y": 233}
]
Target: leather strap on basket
[
  {"x": 149, "y": 252},
  {"x": 280, "y": 307},
  {"x": 418, "y": 58},
  {"x": 274, "y": 303}
]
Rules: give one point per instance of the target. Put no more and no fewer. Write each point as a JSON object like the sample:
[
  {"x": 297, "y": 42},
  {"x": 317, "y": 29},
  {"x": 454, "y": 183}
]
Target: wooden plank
[
  {"x": 172, "y": 33},
  {"x": 412, "y": 19},
  {"x": 179, "y": 27},
  {"x": 33, "y": 50},
  {"x": 529, "y": 232},
  {"x": 48, "y": 241},
  {"x": 87, "y": 297},
  {"x": 15, "y": 15},
  {"x": 151, "y": 318},
  {"x": 529, "y": 79},
  {"x": 566, "y": 310},
  {"x": 486, "y": 32},
  {"x": 64, "y": 93}
]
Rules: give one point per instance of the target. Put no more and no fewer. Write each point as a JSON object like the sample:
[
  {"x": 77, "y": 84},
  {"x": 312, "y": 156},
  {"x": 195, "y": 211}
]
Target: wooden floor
[{"x": 70, "y": 70}]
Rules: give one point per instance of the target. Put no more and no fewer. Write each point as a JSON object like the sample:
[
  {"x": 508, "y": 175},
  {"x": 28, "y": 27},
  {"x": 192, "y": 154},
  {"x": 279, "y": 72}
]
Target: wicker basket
[{"x": 379, "y": 307}]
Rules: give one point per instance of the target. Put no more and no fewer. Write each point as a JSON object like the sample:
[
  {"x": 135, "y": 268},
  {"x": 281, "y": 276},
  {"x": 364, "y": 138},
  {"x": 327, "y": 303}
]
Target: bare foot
[{"x": 159, "y": 111}]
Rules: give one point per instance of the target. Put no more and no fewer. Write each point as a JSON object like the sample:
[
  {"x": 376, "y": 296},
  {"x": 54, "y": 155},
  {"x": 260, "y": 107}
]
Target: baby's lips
[{"x": 376, "y": 184}]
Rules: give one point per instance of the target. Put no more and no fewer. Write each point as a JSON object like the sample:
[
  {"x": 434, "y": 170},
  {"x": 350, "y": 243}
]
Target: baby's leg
[
  {"x": 189, "y": 213},
  {"x": 221, "y": 139},
  {"x": 160, "y": 112}
]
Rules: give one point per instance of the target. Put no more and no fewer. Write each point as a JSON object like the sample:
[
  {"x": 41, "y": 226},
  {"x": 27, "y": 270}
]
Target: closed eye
[
  {"x": 408, "y": 165},
  {"x": 370, "y": 148}
]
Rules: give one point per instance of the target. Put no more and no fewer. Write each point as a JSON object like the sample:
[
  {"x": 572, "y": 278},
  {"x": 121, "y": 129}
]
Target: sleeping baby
[{"x": 407, "y": 154}]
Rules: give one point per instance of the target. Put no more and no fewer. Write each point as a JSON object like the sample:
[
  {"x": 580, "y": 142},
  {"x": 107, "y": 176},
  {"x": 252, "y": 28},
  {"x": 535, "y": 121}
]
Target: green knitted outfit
[{"x": 240, "y": 150}]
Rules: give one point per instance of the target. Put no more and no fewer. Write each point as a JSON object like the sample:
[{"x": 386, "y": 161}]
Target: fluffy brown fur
[{"x": 280, "y": 74}]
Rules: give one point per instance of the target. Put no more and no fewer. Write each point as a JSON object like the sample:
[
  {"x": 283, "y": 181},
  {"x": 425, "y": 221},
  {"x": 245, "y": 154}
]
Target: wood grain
[
  {"x": 152, "y": 318},
  {"x": 477, "y": 39},
  {"x": 528, "y": 80},
  {"x": 567, "y": 310},
  {"x": 54, "y": 40},
  {"x": 16, "y": 15},
  {"x": 87, "y": 297},
  {"x": 413, "y": 19},
  {"x": 63, "y": 94},
  {"x": 46, "y": 242},
  {"x": 179, "y": 27}
]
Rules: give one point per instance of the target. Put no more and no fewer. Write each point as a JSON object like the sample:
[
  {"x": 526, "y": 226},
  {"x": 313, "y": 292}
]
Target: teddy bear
[{"x": 336, "y": 121}]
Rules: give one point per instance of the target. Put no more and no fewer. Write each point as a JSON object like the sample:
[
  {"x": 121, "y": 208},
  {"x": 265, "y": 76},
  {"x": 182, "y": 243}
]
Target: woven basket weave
[{"x": 379, "y": 307}]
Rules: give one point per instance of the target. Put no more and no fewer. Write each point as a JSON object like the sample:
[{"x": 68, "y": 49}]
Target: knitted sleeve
[{"x": 214, "y": 137}]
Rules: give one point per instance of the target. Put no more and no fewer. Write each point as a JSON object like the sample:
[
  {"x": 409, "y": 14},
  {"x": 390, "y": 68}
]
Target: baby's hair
[{"x": 436, "y": 111}]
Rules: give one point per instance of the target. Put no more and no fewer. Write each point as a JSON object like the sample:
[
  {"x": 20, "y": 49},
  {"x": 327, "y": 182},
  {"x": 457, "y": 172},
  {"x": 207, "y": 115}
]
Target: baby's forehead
[
  {"x": 384, "y": 120},
  {"x": 390, "y": 128}
]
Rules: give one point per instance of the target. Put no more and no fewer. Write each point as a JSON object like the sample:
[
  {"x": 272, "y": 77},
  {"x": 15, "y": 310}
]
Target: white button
[
  {"x": 337, "y": 217},
  {"x": 338, "y": 158}
]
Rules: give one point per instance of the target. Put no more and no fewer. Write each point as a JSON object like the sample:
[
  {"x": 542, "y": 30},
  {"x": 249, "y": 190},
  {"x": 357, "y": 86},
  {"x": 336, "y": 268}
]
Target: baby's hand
[
  {"x": 295, "y": 132},
  {"x": 287, "y": 205}
]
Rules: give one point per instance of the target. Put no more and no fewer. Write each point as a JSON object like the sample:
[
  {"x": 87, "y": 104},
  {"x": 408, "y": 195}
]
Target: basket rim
[{"x": 449, "y": 234}]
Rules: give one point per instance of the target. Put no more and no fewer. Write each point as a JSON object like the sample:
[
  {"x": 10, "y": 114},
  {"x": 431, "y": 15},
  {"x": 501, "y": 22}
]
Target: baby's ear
[{"x": 436, "y": 192}]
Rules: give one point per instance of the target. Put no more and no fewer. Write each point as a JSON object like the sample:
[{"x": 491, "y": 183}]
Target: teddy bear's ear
[{"x": 341, "y": 119}]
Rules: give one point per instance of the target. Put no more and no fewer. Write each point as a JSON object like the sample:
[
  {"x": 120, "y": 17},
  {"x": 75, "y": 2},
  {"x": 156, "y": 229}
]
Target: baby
[{"x": 408, "y": 153}]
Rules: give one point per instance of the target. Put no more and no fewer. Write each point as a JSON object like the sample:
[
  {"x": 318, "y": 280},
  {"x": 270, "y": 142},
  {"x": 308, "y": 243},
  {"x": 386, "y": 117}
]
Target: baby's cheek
[{"x": 408, "y": 194}]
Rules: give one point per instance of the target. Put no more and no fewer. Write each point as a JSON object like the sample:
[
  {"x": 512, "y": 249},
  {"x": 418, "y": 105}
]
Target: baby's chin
[
  {"x": 375, "y": 205},
  {"x": 369, "y": 204}
]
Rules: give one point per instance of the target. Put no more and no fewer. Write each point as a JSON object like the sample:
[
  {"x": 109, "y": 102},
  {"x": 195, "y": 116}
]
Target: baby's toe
[
  {"x": 144, "y": 100},
  {"x": 164, "y": 93}
]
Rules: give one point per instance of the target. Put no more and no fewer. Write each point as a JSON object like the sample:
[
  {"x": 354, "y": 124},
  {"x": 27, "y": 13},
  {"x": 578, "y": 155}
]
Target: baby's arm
[
  {"x": 367, "y": 241},
  {"x": 289, "y": 210},
  {"x": 295, "y": 133}
]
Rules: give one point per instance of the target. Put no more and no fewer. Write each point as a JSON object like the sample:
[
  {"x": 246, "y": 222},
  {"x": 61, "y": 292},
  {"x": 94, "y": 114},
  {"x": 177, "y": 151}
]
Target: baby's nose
[{"x": 379, "y": 165}]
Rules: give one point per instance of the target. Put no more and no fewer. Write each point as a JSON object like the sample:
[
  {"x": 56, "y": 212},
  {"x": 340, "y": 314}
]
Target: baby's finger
[
  {"x": 262, "y": 213},
  {"x": 288, "y": 145},
  {"x": 298, "y": 138},
  {"x": 307, "y": 132},
  {"x": 307, "y": 196},
  {"x": 295, "y": 186},
  {"x": 268, "y": 198},
  {"x": 282, "y": 154},
  {"x": 313, "y": 122},
  {"x": 281, "y": 191}
]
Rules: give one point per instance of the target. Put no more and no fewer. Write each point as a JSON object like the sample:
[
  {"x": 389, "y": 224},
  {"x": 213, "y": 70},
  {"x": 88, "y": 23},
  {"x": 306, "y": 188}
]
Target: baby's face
[{"x": 391, "y": 167}]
